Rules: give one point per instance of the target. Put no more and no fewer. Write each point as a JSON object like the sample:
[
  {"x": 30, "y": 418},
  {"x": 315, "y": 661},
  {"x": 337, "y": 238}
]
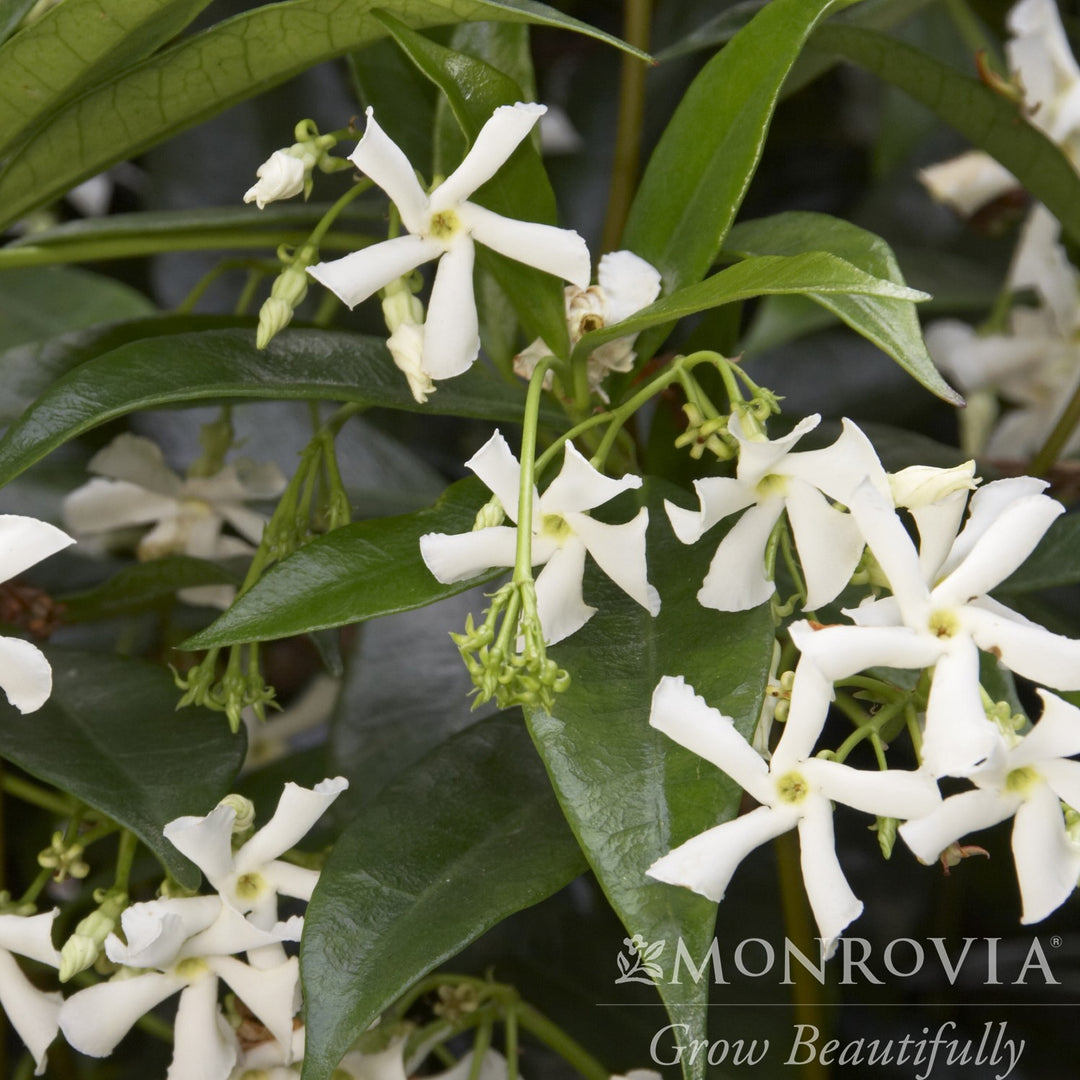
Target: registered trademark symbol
[{"x": 1055, "y": 941}]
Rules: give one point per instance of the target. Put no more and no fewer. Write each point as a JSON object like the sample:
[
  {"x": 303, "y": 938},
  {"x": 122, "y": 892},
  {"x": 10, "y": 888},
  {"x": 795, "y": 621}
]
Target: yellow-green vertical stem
[
  {"x": 523, "y": 555},
  {"x": 806, "y": 992},
  {"x": 637, "y": 15}
]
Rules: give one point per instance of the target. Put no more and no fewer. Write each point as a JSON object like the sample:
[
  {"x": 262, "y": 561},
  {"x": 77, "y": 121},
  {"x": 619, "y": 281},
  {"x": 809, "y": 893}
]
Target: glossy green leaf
[
  {"x": 466, "y": 837},
  {"x": 817, "y": 272},
  {"x": 1054, "y": 563},
  {"x": 360, "y": 571},
  {"x": 143, "y": 586},
  {"x": 204, "y": 74},
  {"x": 891, "y": 324},
  {"x": 630, "y": 793},
  {"x": 218, "y": 365},
  {"x": 111, "y": 736},
  {"x": 42, "y": 302},
  {"x": 12, "y": 13},
  {"x": 43, "y": 68},
  {"x": 986, "y": 118},
  {"x": 700, "y": 170},
  {"x": 520, "y": 189}
]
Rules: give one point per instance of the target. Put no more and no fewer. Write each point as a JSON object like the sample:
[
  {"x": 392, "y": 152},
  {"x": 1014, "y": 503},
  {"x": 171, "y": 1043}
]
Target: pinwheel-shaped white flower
[
  {"x": 250, "y": 879},
  {"x": 185, "y": 946},
  {"x": 25, "y": 675},
  {"x": 33, "y": 1013},
  {"x": 940, "y": 616},
  {"x": 794, "y": 789},
  {"x": 136, "y": 487},
  {"x": 562, "y": 533},
  {"x": 1024, "y": 782},
  {"x": 443, "y": 226},
  {"x": 626, "y": 284},
  {"x": 770, "y": 479}
]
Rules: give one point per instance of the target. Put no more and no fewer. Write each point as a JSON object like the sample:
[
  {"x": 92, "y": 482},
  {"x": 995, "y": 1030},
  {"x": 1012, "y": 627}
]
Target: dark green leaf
[
  {"x": 359, "y": 571},
  {"x": 42, "y": 302},
  {"x": 630, "y": 793},
  {"x": 1054, "y": 563},
  {"x": 144, "y": 586},
  {"x": 466, "y": 837},
  {"x": 217, "y": 365},
  {"x": 815, "y": 272},
  {"x": 42, "y": 68},
  {"x": 977, "y": 112},
  {"x": 111, "y": 736},
  {"x": 12, "y": 13},
  {"x": 889, "y": 323},
  {"x": 204, "y": 74},
  {"x": 700, "y": 170},
  {"x": 520, "y": 189}
]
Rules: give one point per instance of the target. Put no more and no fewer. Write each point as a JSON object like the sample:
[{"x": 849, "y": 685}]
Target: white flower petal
[
  {"x": 380, "y": 158},
  {"x": 1025, "y": 647},
  {"x": 103, "y": 505},
  {"x": 230, "y": 933},
  {"x": 629, "y": 284},
  {"x": 25, "y": 541},
  {"x": 156, "y": 931},
  {"x": 25, "y": 675},
  {"x": 837, "y": 470},
  {"x": 937, "y": 524},
  {"x": 1047, "y": 863},
  {"x": 1062, "y": 776},
  {"x": 967, "y": 182},
  {"x": 760, "y": 457},
  {"x": 451, "y": 332},
  {"x": 297, "y": 811},
  {"x": 958, "y": 737},
  {"x": 246, "y": 522},
  {"x": 619, "y": 550},
  {"x": 458, "y": 556},
  {"x": 272, "y": 994},
  {"x": 833, "y": 903},
  {"x": 94, "y": 1020},
  {"x": 559, "y": 603},
  {"x": 892, "y": 793},
  {"x": 958, "y": 816},
  {"x": 33, "y": 1013},
  {"x": 842, "y": 651},
  {"x": 30, "y": 936},
  {"x": 684, "y": 716},
  {"x": 139, "y": 461},
  {"x": 205, "y": 1047},
  {"x": 581, "y": 487},
  {"x": 356, "y": 276},
  {"x": 206, "y": 841},
  {"x": 1056, "y": 735},
  {"x": 498, "y": 139},
  {"x": 705, "y": 863},
  {"x": 290, "y": 880},
  {"x": 999, "y": 550},
  {"x": 718, "y": 497},
  {"x": 494, "y": 463},
  {"x": 811, "y": 694},
  {"x": 555, "y": 251},
  {"x": 828, "y": 541},
  {"x": 736, "y": 579}
]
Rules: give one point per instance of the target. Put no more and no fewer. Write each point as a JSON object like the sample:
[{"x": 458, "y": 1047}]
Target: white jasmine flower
[
  {"x": 250, "y": 879},
  {"x": 33, "y": 1013},
  {"x": 562, "y": 534},
  {"x": 444, "y": 226},
  {"x": 794, "y": 789},
  {"x": 136, "y": 487},
  {"x": 181, "y": 952},
  {"x": 25, "y": 675},
  {"x": 940, "y": 616},
  {"x": 770, "y": 480},
  {"x": 281, "y": 176},
  {"x": 626, "y": 284},
  {"x": 404, "y": 315},
  {"x": 1025, "y": 782},
  {"x": 968, "y": 182}
]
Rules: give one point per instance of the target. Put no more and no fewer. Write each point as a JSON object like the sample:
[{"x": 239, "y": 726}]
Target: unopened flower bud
[
  {"x": 82, "y": 949},
  {"x": 244, "y": 809},
  {"x": 287, "y": 293},
  {"x": 923, "y": 485},
  {"x": 489, "y": 515},
  {"x": 281, "y": 176}
]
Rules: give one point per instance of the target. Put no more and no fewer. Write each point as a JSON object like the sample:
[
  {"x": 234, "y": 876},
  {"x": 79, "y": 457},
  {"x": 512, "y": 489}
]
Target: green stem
[
  {"x": 553, "y": 1036},
  {"x": 637, "y": 15},
  {"x": 247, "y": 293},
  {"x": 129, "y": 844},
  {"x": 523, "y": 555},
  {"x": 510, "y": 1036},
  {"x": 43, "y": 878},
  {"x": 37, "y": 796},
  {"x": 256, "y": 266},
  {"x": 331, "y": 215},
  {"x": 1044, "y": 460}
]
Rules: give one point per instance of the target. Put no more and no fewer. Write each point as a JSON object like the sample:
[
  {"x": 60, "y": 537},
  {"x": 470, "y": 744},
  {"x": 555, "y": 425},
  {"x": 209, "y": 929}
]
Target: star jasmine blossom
[
  {"x": 770, "y": 479},
  {"x": 940, "y": 616},
  {"x": 33, "y": 1013},
  {"x": 444, "y": 226},
  {"x": 794, "y": 790},
  {"x": 1024, "y": 781},
  {"x": 562, "y": 534}
]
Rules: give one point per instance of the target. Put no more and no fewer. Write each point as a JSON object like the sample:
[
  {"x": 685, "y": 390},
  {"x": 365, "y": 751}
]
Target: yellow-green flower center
[
  {"x": 191, "y": 968},
  {"x": 792, "y": 788},
  {"x": 554, "y": 527},
  {"x": 1021, "y": 780},
  {"x": 250, "y": 886},
  {"x": 772, "y": 485},
  {"x": 444, "y": 224},
  {"x": 944, "y": 624}
]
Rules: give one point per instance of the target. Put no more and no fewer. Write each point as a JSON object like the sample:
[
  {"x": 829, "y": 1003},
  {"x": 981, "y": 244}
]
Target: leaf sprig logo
[{"x": 640, "y": 965}]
